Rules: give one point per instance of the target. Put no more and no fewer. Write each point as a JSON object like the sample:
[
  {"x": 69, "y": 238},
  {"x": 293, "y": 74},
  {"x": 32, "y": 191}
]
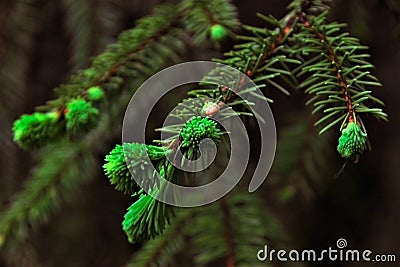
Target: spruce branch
[
  {"x": 258, "y": 60},
  {"x": 63, "y": 167},
  {"x": 155, "y": 41},
  {"x": 117, "y": 65},
  {"x": 339, "y": 78}
]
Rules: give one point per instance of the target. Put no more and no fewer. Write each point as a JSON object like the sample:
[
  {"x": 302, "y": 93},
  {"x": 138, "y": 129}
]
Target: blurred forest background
[{"x": 42, "y": 42}]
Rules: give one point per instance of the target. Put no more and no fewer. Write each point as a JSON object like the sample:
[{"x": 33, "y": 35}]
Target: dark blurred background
[{"x": 36, "y": 55}]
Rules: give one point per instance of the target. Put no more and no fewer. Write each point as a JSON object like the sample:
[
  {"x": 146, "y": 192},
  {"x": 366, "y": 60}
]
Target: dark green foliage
[
  {"x": 231, "y": 235},
  {"x": 271, "y": 58},
  {"x": 119, "y": 63},
  {"x": 155, "y": 42},
  {"x": 51, "y": 183},
  {"x": 259, "y": 58},
  {"x": 34, "y": 130},
  {"x": 143, "y": 50}
]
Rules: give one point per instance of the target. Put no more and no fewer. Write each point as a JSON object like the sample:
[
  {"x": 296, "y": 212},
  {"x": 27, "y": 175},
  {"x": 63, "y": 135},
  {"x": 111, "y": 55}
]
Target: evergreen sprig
[
  {"x": 337, "y": 74},
  {"x": 64, "y": 166},
  {"x": 280, "y": 58},
  {"x": 156, "y": 40}
]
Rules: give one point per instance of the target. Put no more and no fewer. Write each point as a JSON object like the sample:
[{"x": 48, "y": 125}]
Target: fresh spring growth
[
  {"x": 218, "y": 32},
  {"x": 198, "y": 128},
  {"x": 352, "y": 142},
  {"x": 34, "y": 130},
  {"x": 95, "y": 93},
  {"x": 147, "y": 217},
  {"x": 80, "y": 115},
  {"x": 131, "y": 156}
]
